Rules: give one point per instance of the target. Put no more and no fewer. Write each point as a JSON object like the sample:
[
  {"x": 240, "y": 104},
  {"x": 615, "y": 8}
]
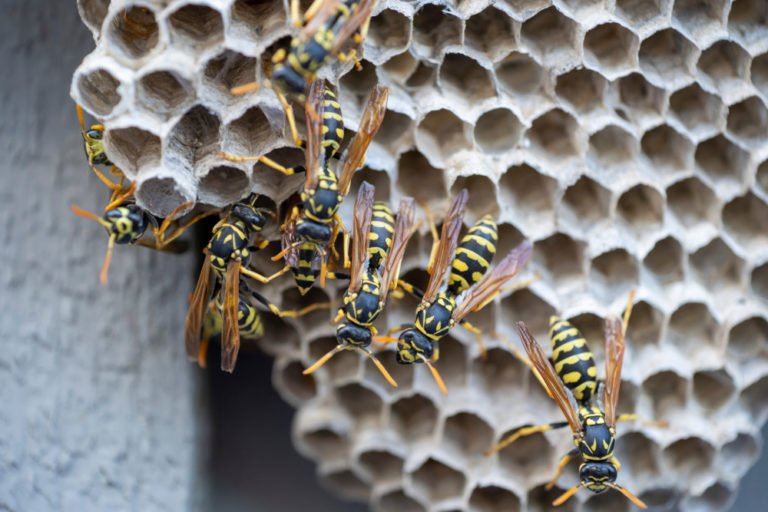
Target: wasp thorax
[
  {"x": 310, "y": 231},
  {"x": 353, "y": 335},
  {"x": 287, "y": 81},
  {"x": 252, "y": 217}
]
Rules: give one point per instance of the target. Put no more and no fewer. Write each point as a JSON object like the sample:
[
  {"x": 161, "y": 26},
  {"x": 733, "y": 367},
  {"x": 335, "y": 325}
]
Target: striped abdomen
[
  {"x": 333, "y": 125},
  {"x": 380, "y": 235},
  {"x": 572, "y": 359},
  {"x": 473, "y": 256},
  {"x": 303, "y": 273},
  {"x": 249, "y": 321}
]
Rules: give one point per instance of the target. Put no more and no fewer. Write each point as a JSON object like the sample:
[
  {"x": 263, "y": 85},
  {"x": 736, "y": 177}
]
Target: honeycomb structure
[{"x": 625, "y": 138}]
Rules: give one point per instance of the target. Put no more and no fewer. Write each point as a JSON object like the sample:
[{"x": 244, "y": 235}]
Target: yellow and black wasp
[
  {"x": 594, "y": 430},
  {"x": 312, "y": 228},
  {"x": 438, "y": 312},
  {"x": 375, "y": 240},
  {"x": 93, "y": 139},
  {"x": 328, "y": 25}
]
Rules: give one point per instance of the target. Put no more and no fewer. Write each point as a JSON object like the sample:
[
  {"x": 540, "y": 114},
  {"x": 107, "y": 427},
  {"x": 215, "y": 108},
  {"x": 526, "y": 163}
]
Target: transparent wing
[
  {"x": 489, "y": 285},
  {"x": 614, "y": 357},
  {"x": 314, "y": 153},
  {"x": 373, "y": 115},
  {"x": 446, "y": 248},
  {"x": 403, "y": 231},
  {"x": 326, "y": 10},
  {"x": 198, "y": 302},
  {"x": 362, "y": 226},
  {"x": 353, "y": 22},
  {"x": 230, "y": 331},
  {"x": 554, "y": 385}
]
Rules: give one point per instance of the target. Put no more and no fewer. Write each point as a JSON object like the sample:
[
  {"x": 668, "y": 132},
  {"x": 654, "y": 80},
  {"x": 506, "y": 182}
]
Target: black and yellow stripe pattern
[
  {"x": 229, "y": 242},
  {"x": 474, "y": 255},
  {"x": 380, "y": 235},
  {"x": 333, "y": 124},
  {"x": 572, "y": 359}
]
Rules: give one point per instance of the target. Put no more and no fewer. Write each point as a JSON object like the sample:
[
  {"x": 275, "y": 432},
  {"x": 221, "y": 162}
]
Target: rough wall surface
[
  {"x": 625, "y": 138},
  {"x": 97, "y": 398}
]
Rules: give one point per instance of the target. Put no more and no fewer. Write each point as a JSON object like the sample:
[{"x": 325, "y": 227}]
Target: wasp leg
[
  {"x": 524, "y": 359},
  {"x": 647, "y": 423},
  {"x": 563, "y": 462},
  {"x": 119, "y": 199},
  {"x": 311, "y": 11},
  {"x": 525, "y": 431},
  {"x": 478, "y": 334},
  {"x": 289, "y": 313},
  {"x": 262, "y": 279},
  {"x": 291, "y": 119},
  {"x": 351, "y": 55}
]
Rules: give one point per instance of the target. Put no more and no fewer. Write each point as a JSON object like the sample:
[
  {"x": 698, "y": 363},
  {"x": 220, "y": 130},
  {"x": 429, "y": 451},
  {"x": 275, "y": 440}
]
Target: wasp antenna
[
  {"x": 435, "y": 374},
  {"x": 378, "y": 364},
  {"x": 628, "y": 311},
  {"x": 107, "y": 259},
  {"x": 320, "y": 362},
  {"x": 634, "y": 499},
  {"x": 88, "y": 215},
  {"x": 567, "y": 494}
]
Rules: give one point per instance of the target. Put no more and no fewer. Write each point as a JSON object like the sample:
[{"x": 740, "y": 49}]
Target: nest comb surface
[{"x": 626, "y": 138}]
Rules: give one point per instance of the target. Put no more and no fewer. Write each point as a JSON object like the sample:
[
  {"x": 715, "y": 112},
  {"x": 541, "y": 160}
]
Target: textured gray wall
[{"x": 97, "y": 397}]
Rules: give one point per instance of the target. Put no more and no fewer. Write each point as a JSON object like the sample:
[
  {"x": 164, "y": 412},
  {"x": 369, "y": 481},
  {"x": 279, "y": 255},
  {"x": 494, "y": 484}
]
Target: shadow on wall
[{"x": 253, "y": 466}]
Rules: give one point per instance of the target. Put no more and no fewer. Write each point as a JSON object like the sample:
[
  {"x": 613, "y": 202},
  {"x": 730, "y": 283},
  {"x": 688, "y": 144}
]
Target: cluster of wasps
[{"x": 459, "y": 277}]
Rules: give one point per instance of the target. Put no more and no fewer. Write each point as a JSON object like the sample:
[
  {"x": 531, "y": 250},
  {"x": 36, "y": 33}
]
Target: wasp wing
[
  {"x": 352, "y": 23},
  {"x": 327, "y": 9},
  {"x": 314, "y": 152},
  {"x": 554, "y": 384},
  {"x": 446, "y": 248},
  {"x": 199, "y": 300},
  {"x": 615, "y": 344},
  {"x": 487, "y": 288},
  {"x": 230, "y": 330},
  {"x": 362, "y": 226},
  {"x": 373, "y": 115},
  {"x": 403, "y": 231}
]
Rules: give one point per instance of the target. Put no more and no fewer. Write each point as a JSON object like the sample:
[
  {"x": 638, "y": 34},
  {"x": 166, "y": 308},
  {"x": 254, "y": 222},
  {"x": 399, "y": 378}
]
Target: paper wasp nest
[{"x": 626, "y": 138}]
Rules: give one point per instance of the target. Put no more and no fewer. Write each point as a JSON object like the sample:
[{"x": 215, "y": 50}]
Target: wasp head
[
  {"x": 412, "y": 345},
  {"x": 127, "y": 223},
  {"x": 596, "y": 476}
]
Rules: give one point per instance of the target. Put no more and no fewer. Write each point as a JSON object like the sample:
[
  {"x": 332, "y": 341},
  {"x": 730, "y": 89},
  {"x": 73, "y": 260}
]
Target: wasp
[
  {"x": 327, "y": 26},
  {"x": 126, "y": 224},
  {"x": 369, "y": 284},
  {"x": 93, "y": 139},
  {"x": 593, "y": 429}
]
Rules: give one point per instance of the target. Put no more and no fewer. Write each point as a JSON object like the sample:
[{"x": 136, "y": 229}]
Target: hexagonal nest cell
[{"x": 625, "y": 139}]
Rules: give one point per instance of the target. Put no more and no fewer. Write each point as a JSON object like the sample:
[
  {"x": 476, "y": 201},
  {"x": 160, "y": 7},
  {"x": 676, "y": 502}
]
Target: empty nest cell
[
  {"x": 490, "y": 32},
  {"x": 223, "y": 185},
  {"x": 467, "y": 434},
  {"x": 738, "y": 455},
  {"x": 642, "y": 207},
  {"x": 562, "y": 257},
  {"x": 463, "y": 77},
  {"x": 497, "y": 131},
  {"x": 641, "y": 12},
  {"x": 668, "y": 57},
  {"x": 749, "y": 337},
  {"x": 698, "y": 18},
  {"x": 93, "y": 13},
  {"x": 493, "y": 499},
  {"x": 389, "y": 29},
  {"x": 528, "y": 455},
  {"x": 716, "y": 497},
  {"x": 518, "y": 73},
  {"x": 347, "y": 484},
  {"x": 133, "y": 32},
  {"x": 343, "y": 365},
  {"x": 396, "y": 131},
  {"x": 746, "y": 218},
  {"x": 453, "y": 361},
  {"x": 692, "y": 328},
  {"x": 587, "y": 202},
  {"x": 556, "y": 133},
  {"x": 698, "y": 110},
  {"x": 748, "y": 21},
  {"x": 355, "y": 87},
  {"x": 607, "y": 502},
  {"x": 748, "y": 120},
  {"x": 713, "y": 388},
  {"x": 717, "y": 266},
  {"x": 611, "y": 48},
  {"x": 164, "y": 92},
  {"x": 438, "y": 481},
  {"x": 692, "y": 202},
  {"x": 98, "y": 91},
  {"x": 195, "y": 136},
  {"x": 540, "y": 499},
  {"x": 613, "y": 274},
  {"x": 524, "y": 305},
  {"x": 725, "y": 63},
  {"x": 400, "y": 67},
  {"x": 482, "y": 195},
  {"x": 297, "y": 385},
  {"x": 552, "y": 37},
  {"x": 722, "y": 161},
  {"x": 665, "y": 260},
  {"x": 413, "y": 171},
  {"x": 526, "y": 190},
  {"x": 398, "y": 501},
  {"x": 414, "y": 417},
  {"x": 689, "y": 457},
  {"x": 161, "y": 195},
  {"x": 425, "y": 75},
  {"x": 667, "y": 149},
  {"x": 759, "y": 73},
  {"x": 256, "y": 21},
  {"x": 361, "y": 403},
  {"x": 613, "y": 146},
  {"x": 582, "y": 88},
  {"x": 196, "y": 26},
  {"x": 761, "y": 180},
  {"x": 227, "y": 70},
  {"x": 498, "y": 373},
  {"x": 441, "y": 134},
  {"x": 644, "y": 327},
  {"x": 132, "y": 148},
  {"x": 325, "y": 443},
  {"x": 381, "y": 465},
  {"x": 668, "y": 393},
  {"x": 755, "y": 398},
  {"x": 640, "y": 95},
  {"x": 760, "y": 281},
  {"x": 434, "y": 29},
  {"x": 251, "y": 134}
]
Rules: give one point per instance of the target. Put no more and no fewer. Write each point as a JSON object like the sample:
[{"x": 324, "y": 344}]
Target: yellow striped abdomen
[
  {"x": 572, "y": 359},
  {"x": 380, "y": 235},
  {"x": 473, "y": 256}
]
